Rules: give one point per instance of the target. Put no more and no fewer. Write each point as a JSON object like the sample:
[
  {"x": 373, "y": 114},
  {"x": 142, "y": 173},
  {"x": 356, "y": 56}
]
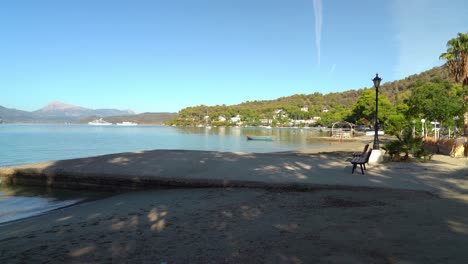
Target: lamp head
[{"x": 377, "y": 80}]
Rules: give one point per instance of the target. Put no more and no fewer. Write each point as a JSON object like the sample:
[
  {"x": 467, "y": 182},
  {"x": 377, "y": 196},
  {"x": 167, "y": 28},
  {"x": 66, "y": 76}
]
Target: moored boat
[
  {"x": 126, "y": 123},
  {"x": 260, "y": 138},
  {"x": 372, "y": 133},
  {"x": 99, "y": 122}
]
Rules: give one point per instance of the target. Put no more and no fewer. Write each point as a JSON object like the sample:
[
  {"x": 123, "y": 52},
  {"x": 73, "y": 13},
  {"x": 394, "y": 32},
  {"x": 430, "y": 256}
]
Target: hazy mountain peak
[{"x": 59, "y": 106}]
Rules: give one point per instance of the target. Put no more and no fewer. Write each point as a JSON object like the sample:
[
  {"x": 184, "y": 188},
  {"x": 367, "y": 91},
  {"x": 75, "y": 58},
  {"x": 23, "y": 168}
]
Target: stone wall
[
  {"x": 453, "y": 147},
  {"x": 466, "y": 124}
]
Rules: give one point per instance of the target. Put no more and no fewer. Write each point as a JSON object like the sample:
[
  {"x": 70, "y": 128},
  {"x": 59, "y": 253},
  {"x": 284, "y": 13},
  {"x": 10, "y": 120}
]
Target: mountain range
[{"x": 57, "y": 112}]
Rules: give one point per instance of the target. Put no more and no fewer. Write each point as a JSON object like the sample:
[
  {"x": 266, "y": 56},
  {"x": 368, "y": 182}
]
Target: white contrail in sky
[
  {"x": 318, "y": 26},
  {"x": 332, "y": 70}
]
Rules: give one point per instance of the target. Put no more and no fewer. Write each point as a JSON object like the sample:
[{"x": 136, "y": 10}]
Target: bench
[
  {"x": 361, "y": 161},
  {"x": 361, "y": 154}
]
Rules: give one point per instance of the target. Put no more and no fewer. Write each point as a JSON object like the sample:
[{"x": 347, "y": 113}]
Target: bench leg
[
  {"x": 362, "y": 171},
  {"x": 364, "y": 166},
  {"x": 354, "y": 167}
]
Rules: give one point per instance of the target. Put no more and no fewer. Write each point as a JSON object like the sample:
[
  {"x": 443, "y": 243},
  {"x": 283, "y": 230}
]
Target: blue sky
[{"x": 164, "y": 55}]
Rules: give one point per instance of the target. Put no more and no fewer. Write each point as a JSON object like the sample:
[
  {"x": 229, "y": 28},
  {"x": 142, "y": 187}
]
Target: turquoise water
[{"x": 23, "y": 144}]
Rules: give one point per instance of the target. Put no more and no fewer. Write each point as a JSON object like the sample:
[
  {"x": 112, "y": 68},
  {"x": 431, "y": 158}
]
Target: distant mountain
[
  {"x": 63, "y": 112},
  {"x": 57, "y": 112},
  {"x": 57, "y": 106},
  {"x": 9, "y": 115}
]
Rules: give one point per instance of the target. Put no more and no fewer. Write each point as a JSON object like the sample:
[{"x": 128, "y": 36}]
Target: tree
[
  {"x": 436, "y": 101},
  {"x": 364, "y": 109},
  {"x": 457, "y": 58},
  {"x": 457, "y": 63},
  {"x": 395, "y": 124}
]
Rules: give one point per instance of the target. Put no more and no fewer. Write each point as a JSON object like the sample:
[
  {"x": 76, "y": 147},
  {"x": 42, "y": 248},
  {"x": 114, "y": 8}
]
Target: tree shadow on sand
[
  {"x": 295, "y": 218},
  {"x": 225, "y": 225}
]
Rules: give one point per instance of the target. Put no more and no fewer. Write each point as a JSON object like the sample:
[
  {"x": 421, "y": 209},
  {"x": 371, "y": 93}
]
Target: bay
[
  {"x": 26, "y": 143},
  {"x": 31, "y": 143}
]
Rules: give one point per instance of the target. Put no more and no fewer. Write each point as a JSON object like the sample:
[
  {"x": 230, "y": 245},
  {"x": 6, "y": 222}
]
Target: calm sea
[
  {"x": 25, "y": 143},
  {"x": 22, "y": 144}
]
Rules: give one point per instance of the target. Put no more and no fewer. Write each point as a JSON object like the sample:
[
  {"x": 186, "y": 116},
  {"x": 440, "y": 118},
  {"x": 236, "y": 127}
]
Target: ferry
[
  {"x": 127, "y": 123},
  {"x": 99, "y": 122}
]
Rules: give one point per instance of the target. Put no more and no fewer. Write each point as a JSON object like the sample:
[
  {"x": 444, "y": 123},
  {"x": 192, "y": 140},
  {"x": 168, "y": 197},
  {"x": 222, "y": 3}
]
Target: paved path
[{"x": 208, "y": 169}]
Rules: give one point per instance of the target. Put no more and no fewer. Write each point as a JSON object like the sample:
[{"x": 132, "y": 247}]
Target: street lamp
[
  {"x": 456, "y": 118},
  {"x": 423, "y": 130},
  {"x": 376, "y": 81}
]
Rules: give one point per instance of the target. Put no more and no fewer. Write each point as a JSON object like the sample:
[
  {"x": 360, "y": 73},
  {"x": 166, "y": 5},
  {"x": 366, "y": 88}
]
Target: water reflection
[
  {"x": 287, "y": 135},
  {"x": 17, "y": 202},
  {"x": 23, "y": 144}
]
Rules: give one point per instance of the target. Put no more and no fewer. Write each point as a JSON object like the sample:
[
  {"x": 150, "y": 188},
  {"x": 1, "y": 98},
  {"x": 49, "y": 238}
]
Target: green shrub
[{"x": 406, "y": 144}]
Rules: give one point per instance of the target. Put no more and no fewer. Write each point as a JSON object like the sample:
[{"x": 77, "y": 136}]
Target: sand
[{"x": 426, "y": 222}]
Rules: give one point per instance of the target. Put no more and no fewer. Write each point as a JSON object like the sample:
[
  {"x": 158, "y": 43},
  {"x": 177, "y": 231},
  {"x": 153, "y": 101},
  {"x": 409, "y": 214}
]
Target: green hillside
[{"x": 339, "y": 103}]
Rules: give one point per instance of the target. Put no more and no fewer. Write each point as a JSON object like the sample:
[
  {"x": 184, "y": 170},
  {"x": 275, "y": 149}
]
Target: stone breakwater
[{"x": 180, "y": 168}]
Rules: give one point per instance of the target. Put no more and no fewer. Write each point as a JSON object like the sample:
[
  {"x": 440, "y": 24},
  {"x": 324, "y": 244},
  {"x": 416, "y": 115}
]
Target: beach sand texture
[{"x": 306, "y": 207}]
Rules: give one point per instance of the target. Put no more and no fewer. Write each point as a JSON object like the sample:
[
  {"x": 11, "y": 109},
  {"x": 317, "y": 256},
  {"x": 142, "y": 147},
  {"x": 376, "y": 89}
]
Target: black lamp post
[{"x": 376, "y": 81}]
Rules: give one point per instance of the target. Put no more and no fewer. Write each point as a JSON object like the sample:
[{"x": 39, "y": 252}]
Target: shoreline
[
  {"x": 394, "y": 210},
  {"x": 297, "y": 169},
  {"x": 39, "y": 201}
]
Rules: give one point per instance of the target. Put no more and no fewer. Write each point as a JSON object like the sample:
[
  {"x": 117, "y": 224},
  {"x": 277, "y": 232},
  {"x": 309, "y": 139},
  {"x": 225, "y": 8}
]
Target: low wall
[{"x": 453, "y": 147}]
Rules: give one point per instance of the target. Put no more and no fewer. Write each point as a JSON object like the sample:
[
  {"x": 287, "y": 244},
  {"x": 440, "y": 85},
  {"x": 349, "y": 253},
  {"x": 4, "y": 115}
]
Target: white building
[
  {"x": 314, "y": 119},
  {"x": 235, "y": 119},
  {"x": 308, "y": 121},
  {"x": 279, "y": 113},
  {"x": 266, "y": 121}
]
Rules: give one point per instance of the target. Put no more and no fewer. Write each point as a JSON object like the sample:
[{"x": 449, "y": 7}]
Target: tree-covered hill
[
  {"x": 339, "y": 104},
  {"x": 399, "y": 90}
]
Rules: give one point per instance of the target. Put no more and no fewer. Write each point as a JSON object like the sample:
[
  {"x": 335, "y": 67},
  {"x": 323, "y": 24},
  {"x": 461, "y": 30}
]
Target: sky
[{"x": 164, "y": 55}]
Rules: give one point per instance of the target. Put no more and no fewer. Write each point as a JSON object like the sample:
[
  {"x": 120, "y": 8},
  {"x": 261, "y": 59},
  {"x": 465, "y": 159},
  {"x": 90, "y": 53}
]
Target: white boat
[
  {"x": 372, "y": 133},
  {"x": 126, "y": 123},
  {"x": 99, "y": 122}
]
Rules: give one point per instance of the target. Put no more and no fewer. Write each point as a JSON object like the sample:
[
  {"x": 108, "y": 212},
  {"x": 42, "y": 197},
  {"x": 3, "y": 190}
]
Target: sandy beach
[{"x": 303, "y": 206}]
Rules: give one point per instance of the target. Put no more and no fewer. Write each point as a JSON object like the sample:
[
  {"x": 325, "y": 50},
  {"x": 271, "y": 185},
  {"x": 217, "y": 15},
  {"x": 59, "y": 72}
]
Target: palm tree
[
  {"x": 457, "y": 63},
  {"x": 457, "y": 58}
]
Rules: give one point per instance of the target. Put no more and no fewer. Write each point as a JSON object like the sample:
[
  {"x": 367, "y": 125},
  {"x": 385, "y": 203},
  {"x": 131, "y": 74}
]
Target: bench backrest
[
  {"x": 366, "y": 159},
  {"x": 366, "y": 147}
]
